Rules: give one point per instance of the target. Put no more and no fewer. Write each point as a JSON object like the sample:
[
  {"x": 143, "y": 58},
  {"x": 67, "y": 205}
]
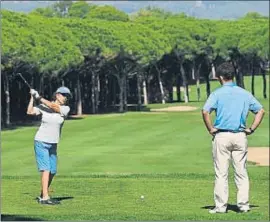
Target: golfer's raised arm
[
  {"x": 31, "y": 110},
  {"x": 58, "y": 105},
  {"x": 55, "y": 107},
  {"x": 63, "y": 110}
]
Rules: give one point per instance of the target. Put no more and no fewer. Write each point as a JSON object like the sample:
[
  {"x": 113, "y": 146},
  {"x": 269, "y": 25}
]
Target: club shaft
[{"x": 24, "y": 80}]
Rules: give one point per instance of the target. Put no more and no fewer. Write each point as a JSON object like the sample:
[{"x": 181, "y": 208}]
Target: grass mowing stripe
[
  {"x": 119, "y": 199},
  {"x": 261, "y": 176}
]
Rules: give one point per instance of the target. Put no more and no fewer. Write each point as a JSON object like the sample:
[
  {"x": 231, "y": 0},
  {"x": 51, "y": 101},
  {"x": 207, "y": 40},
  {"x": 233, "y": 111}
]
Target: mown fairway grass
[{"x": 106, "y": 162}]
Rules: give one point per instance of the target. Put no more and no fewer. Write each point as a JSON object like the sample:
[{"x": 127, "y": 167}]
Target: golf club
[{"x": 24, "y": 80}]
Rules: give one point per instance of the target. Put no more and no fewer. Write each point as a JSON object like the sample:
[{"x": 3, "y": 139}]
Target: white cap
[{"x": 63, "y": 90}]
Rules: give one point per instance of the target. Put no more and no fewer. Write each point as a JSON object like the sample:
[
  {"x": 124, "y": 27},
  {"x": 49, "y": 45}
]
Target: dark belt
[{"x": 228, "y": 131}]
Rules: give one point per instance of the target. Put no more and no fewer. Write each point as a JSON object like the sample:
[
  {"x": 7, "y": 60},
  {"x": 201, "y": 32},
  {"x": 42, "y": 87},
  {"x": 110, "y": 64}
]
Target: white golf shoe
[
  {"x": 217, "y": 211},
  {"x": 244, "y": 209}
]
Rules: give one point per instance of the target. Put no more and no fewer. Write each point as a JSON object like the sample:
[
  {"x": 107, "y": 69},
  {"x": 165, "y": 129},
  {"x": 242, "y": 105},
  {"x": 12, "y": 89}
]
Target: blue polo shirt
[{"x": 231, "y": 104}]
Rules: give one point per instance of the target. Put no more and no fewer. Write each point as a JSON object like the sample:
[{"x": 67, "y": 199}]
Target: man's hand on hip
[
  {"x": 213, "y": 131},
  {"x": 249, "y": 131}
]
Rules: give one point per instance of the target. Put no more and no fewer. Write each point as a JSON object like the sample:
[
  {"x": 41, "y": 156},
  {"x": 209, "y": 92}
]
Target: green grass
[
  {"x": 106, "y": 162},
  {"x": 170, "y": 198}
]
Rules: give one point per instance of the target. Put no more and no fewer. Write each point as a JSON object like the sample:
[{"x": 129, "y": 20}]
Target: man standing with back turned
[{"x": 231, "y": 104}]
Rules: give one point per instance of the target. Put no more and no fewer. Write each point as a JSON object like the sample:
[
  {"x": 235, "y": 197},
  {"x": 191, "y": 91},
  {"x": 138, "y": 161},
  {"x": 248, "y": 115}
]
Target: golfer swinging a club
[
  {"x": 232, "y": 105},
  {"x": 47, "y": 137}
]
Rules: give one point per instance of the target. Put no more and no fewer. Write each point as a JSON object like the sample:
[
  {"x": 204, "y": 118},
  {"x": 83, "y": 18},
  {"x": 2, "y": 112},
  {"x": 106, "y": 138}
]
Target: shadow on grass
[
  {"x": 130, "y": 108},
  {"x": 251, "y": 163},
  {"x": 74, "y": 117},
  {"x": 19, "y": 125},
  {"x": 62, "y": 198},
  {"x": 10, "y": 217},
  {"x": 231, "y": 207}
]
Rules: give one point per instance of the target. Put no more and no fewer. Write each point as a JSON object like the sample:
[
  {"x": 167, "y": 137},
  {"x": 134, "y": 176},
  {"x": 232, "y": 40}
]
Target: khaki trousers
[{"x": 230, "y": 146}]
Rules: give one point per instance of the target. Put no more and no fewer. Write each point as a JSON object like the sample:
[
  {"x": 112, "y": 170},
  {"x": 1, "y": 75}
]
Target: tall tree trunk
[
  {"x": 121, "y": 82},
  {"x": 252, "y": 79},
  {"x": 32, "y": 81},
  {"x": 187, "y": 91},
  {"x": 105, "y": 95},
  {"x": 41, "y": 85},
  {"x": 185, "y": 83},
  {"x": 85, "y": 95},
  {"x": 145, "y": 96},
  {"x": 19, "y": 97},
  {"x": 93, "y": 86},
  {"x": 193, "y": 70},
  {"x": 7, "y": 95},
  {"x": 264, "y": 82},
  {"x": 97, "y": 92},
  {"x": 198, "y": 89},
  {"x": 160, "y": 85},
  {"x": 198, "y": 83},
  {"x": 208, "y": 90},
  {"x": 79, "y": 97},
  {"x": 114, "y": 90},
  {"x": 213, "y": 71},
  {"x": 178, "y": 88},
  {"x": 149, "y": 93},
  {"x": 238, "y": 75},
  {"x": 125, "y": 92},
  {"x": 170, "y": 91},
  {"x": 50, "y": 88},
  {"x": 241, "y": 78},
  {"x": 139, "y": 90},
  {"x": 235, "y": 72}
]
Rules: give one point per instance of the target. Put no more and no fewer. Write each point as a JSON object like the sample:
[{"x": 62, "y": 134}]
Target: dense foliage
[{"x": 110, "y": 60}]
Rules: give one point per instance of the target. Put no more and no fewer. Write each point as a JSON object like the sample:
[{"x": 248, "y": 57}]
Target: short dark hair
[{"x": 226, "y": 70}]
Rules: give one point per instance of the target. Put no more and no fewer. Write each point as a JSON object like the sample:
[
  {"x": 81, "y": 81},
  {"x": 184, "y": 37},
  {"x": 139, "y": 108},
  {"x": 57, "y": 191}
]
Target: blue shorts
[{"x": 46, "y": 156}]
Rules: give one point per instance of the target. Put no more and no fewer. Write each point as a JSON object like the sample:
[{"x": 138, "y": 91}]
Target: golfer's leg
[
  {"x": 44, "y": 183},
  {"x": 239, "y": 156},
  {"x": 43, "y": 164},
  {"x": 53, "y": 163},
  {"x": 51, "y": 176},
  {"x": 221, "y": 156}
]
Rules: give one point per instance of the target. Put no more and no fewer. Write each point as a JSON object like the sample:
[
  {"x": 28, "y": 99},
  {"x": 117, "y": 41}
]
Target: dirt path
[
  {"x": 259, "y": 155},
  {"x": 175, "y": 109}
]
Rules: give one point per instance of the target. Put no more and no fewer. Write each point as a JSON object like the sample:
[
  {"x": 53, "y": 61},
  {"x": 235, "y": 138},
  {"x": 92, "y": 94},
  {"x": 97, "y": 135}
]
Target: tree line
[{"x": 110, "y": 59}]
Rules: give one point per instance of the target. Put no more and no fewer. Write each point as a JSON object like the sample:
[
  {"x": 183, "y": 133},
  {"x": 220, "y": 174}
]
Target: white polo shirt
[{"x": 51, "y": 123}]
